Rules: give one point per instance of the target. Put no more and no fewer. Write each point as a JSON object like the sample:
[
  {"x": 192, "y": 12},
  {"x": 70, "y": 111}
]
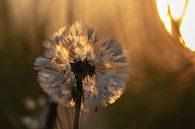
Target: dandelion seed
[
  {"x": 70, "y": 51},
  {"x": 76, "y": 55}
]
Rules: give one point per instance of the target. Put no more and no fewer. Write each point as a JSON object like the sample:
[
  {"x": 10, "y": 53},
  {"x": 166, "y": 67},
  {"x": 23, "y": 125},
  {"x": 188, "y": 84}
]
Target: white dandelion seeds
[{"x": 76, "y": 51}]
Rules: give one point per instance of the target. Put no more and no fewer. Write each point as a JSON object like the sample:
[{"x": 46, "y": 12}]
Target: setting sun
[{"x": 179, "y": 16}]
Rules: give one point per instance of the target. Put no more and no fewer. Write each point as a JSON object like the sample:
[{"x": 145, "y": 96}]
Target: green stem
[{"x": 78, "y": 101}]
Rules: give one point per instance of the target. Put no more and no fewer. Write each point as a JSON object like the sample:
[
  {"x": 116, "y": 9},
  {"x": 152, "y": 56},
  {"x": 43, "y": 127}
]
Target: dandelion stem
[
  {"x": 51, "y": 116},
  {"x": 78, "y": 101}
]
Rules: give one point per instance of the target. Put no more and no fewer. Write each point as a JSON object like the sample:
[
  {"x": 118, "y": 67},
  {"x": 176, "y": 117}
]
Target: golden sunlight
[{"x": 178, "y": 16}]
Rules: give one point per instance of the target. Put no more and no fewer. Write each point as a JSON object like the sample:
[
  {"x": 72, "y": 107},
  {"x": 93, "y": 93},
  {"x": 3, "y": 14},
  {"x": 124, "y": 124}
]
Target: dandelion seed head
[{"x": 73, "y": 50}]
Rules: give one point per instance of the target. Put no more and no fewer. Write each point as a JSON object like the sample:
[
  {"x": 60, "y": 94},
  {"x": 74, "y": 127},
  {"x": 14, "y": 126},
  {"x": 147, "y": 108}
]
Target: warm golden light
[
  {"x": 162, "y": 6},
  {"x": 178, "y": 16}
]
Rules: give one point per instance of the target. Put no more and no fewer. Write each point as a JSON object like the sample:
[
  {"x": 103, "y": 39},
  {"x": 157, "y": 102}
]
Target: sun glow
[{"x": 177, "y": 16}]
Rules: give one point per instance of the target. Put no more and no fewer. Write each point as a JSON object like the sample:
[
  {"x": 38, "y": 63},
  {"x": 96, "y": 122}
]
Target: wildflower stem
[
  {"x": 51, "y": 116},
  {"x": 78, "y": 101}
]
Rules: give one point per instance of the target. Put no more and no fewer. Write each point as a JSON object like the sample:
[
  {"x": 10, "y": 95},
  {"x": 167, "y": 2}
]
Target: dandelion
[{"x": 79, "y": 69}]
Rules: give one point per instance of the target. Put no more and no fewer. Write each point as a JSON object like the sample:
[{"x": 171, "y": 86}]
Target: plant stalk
[
  {"x": 78, "y": 101},
  {"x": 51, "y": 115}
]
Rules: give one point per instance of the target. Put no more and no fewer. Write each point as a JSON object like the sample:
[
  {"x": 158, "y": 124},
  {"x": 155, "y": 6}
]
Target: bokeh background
[{"x": 161, "y": 89}]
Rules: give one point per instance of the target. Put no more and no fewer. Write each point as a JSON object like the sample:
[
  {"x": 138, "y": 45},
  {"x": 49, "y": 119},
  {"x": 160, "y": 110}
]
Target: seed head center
[{"x": 82, "y": 68}]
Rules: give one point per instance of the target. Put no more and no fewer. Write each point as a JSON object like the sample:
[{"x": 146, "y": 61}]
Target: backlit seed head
[{"x": 77, "y": 50}]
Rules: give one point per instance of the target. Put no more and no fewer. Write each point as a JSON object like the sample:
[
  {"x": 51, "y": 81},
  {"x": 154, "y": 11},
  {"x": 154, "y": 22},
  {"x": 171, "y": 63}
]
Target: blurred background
[{"x": 159, "y": 39}]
